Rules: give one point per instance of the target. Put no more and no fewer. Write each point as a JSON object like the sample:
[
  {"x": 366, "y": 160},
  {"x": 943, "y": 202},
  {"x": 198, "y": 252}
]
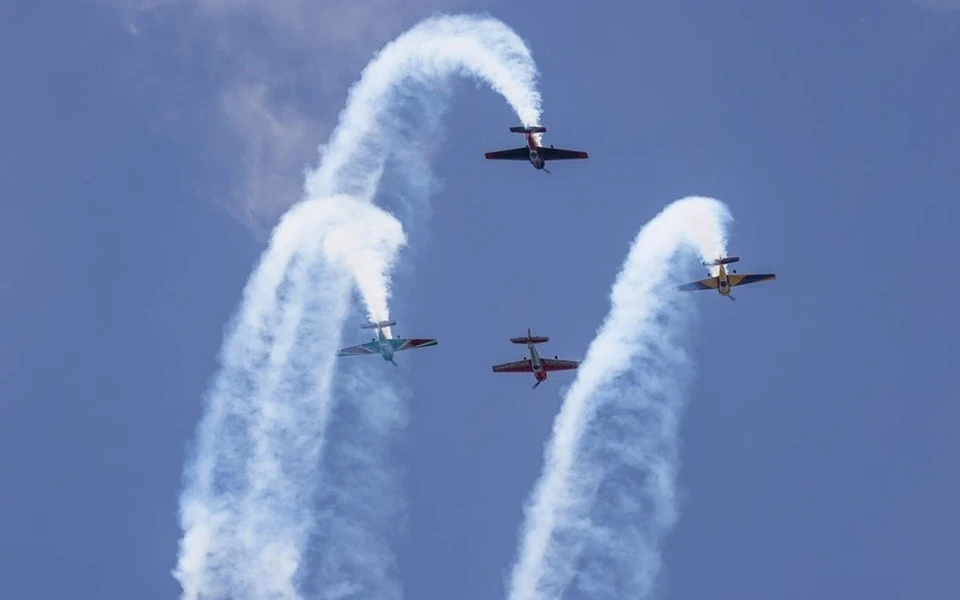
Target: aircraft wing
[
  {"x": 750, "y": 278},
  {"x": 518, "y": 366},
  {"x": 402, "y": 344},
  {"x": 558, "y": 154},
  {"x": 553, "y": 364},
  {"x": 710, "y": 283},
  {"x": 368, "y": 348},
  {"x": 515, "y": 154}
]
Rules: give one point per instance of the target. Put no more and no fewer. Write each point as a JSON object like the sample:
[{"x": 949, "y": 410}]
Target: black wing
[
  {"x": 558, "y": 154},
  {"x": 515, "y": 154}
]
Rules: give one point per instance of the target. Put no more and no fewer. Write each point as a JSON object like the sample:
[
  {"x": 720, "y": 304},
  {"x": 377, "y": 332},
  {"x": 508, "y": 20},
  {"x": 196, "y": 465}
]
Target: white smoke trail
[
  {"x": 251, "y": 486},
  {"x": 605, "y": 497},
  {"x": 372, "y": 128}
]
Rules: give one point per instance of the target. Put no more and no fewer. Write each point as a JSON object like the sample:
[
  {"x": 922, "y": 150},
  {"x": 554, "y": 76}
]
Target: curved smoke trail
[
  {"x": 605, "y": 497},
  {"x": 251, "y": 487},
  {"x": 373, "y": 125}
]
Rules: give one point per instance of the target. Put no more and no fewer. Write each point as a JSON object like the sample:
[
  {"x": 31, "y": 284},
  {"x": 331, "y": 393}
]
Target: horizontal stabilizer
[
  {"x": 722, "y": 261},
  {"x": 533, "y": 129},
  {"x": 533, "y": 339},
  {"x": 378, "y": 325}
]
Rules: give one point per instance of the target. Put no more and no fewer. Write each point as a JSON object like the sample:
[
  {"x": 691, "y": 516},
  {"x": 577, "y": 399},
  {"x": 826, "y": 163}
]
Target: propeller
[
  {"x": 535, "y": 385},
  {"x": 731, "y": 296}
]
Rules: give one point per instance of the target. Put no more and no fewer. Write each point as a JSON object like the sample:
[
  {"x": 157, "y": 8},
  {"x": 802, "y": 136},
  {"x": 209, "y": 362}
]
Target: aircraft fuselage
[
  {"x": 538, "y": 371},
  {"x": 386, "y": 348},
  {"x": 723, "y": 284},
  {"x": 535, "y": 159}
]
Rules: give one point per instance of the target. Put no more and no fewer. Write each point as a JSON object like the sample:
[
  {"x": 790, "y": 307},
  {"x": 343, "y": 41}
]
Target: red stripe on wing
[
  {"x": 552, "y": 364},
  {"x": 417, "y": 343},
  {"x": 519, "y": 366}
]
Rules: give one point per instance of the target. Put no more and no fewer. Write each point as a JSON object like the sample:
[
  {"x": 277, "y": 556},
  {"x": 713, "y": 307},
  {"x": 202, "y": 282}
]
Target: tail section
[
  {"x": 531, "y": 339},
  {"x": 378, "y": 325},
  {"x": 532, "y": 129},
  {"x": 722, "y": 261}
]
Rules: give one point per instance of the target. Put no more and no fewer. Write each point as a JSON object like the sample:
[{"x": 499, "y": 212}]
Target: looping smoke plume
[
  {"x": 606, "y": 495},
  {"x": 249, "y": 507}
]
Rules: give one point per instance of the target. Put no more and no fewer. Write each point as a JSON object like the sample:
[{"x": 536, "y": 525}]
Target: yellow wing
[
  {"x": 710, "y": 283},
  {"x": 750, "y": 278}
]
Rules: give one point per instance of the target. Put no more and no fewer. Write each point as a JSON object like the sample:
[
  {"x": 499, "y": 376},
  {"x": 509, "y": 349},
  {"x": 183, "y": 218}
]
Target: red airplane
[
  {"x": 535, "y": 153},
  {"x": 536, "y": 365}
]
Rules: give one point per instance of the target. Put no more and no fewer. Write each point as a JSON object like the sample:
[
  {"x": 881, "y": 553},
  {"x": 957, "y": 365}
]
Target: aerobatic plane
[
  {"x": 536, "y": 365},
  {"x": 385, "y": 346},
  {"x": 535, "y": 153},
  {"x": 723, "y": 281}
]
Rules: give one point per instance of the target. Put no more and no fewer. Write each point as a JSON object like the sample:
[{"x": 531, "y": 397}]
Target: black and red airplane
[
  {"x": 536, "y": 364},
  {"x": 535, "y": 153}
]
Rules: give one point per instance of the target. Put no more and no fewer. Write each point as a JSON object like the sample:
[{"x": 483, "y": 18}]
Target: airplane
[
  {"x": 536, "y": 365},
  {"x": 385, "y": 346},
  {"x": 724, "y": 281},
  {"x": 535, "y": 153}
]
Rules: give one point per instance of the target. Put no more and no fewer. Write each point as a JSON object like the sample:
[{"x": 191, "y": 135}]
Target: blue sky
[{"x": 146, "y": 149}]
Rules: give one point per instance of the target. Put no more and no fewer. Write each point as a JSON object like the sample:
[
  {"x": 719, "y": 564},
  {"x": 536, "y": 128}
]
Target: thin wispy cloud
[
  {"x": 941, "y": 6},
  {"x": 283, "y": 65}
]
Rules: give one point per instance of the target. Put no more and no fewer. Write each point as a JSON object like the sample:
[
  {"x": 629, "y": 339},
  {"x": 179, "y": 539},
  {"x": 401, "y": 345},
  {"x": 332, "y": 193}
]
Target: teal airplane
[{"x": 385, "y": 346}]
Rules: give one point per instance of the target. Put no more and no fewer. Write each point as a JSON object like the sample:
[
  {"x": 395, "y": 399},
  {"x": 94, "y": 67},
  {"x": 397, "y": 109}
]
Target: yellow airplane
[{"x": 724, "y": 281}]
